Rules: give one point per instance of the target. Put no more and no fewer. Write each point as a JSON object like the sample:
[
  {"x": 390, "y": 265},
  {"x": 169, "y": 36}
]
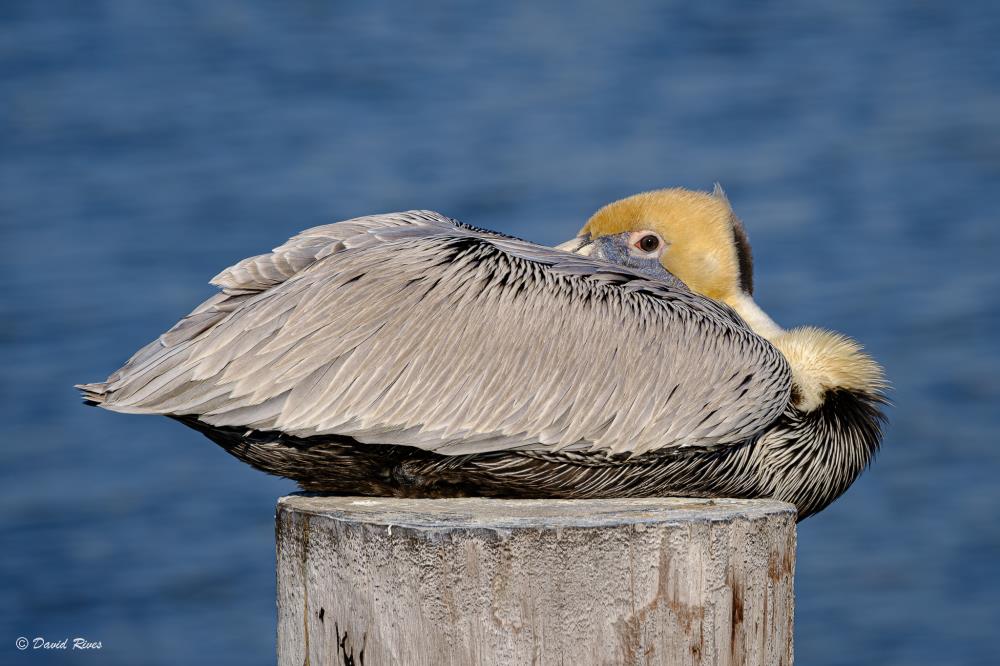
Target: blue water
[{"x": 144, "y": 148}]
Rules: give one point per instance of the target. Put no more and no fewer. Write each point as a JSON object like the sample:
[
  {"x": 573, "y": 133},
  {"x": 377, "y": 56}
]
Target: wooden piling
[{"x": 376, "y": 581}]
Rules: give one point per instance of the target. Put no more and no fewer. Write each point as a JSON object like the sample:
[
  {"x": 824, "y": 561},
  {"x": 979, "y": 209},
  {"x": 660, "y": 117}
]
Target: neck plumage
[
  {"x": 758, "y": 320},
  {"x": 821, "y": 361}
]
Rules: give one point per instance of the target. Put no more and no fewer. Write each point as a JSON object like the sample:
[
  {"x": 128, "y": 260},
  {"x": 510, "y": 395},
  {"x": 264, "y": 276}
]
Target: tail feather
[
  {"x": 94, "y": 394},
  {"x": 114, "y": 392}
]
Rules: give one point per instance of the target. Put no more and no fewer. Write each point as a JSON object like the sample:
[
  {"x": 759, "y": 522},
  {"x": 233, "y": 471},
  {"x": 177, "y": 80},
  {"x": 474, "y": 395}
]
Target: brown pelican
[{"x": 409, "y": 354}]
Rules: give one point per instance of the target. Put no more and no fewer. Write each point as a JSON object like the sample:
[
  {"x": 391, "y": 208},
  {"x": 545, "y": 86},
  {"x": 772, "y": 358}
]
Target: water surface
[{"x": 144, "y": 148}]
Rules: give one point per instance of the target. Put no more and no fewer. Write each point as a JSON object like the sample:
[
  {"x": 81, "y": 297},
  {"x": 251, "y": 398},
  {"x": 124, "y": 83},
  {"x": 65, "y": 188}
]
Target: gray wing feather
[
  {"x": 412, "y": 329},
  {"x": 262, "y": 272}
]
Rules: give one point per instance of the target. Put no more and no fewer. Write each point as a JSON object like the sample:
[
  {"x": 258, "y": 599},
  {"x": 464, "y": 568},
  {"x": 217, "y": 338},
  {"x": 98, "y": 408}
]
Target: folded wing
[{"x": 413, "y": 329}]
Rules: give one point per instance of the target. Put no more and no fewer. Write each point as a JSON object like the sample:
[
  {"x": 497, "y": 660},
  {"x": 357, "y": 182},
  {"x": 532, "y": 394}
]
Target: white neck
[{"x": 758, "y": 320}]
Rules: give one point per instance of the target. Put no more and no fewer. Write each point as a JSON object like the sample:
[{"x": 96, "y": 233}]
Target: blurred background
[{"x": 145, "y": 147}]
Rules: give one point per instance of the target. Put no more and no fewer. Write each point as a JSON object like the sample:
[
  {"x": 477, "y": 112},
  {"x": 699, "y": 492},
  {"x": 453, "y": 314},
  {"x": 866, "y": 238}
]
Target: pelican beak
[
  {"x": 611, "y": 249},
  {"x": 583, "y": 245}
]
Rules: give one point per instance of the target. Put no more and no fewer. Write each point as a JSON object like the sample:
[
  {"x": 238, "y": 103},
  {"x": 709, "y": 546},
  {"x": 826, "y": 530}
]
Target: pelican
[{"x": 409, "y": 354}]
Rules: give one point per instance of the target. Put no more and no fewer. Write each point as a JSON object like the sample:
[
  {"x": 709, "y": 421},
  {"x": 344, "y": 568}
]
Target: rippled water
[{"x": 142, "y": 149}]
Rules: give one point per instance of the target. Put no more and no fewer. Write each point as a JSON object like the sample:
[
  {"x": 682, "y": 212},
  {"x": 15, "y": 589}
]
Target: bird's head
[
  {"x": 696, "y": 237},
  {"x": 693, "y": 235}
]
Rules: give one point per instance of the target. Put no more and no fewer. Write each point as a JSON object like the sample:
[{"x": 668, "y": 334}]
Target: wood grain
[{"x": 483, "y": 581}]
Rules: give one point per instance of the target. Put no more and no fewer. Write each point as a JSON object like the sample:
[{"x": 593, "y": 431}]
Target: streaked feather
[{"x": 411, "y": 329}]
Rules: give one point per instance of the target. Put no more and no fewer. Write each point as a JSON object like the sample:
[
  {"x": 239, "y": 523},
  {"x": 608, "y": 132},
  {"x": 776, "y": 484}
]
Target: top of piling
[{"x": 478, "y": 512}]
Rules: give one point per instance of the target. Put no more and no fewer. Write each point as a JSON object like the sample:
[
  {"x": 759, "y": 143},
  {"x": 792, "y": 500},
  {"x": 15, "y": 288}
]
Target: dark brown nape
[{"x": 743, "y": 253}]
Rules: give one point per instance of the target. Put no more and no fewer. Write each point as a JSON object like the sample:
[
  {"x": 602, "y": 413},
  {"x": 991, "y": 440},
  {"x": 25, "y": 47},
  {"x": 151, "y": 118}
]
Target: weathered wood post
[{"x": 481, "y": 581}]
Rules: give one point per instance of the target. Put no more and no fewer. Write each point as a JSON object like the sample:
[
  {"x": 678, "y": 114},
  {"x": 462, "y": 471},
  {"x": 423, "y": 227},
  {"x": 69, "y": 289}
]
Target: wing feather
[{"x": 413, "y": 329}]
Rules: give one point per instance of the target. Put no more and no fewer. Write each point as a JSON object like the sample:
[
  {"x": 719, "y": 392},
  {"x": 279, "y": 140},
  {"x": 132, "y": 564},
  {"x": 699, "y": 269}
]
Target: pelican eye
[{"x": 648, "y": 243}]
